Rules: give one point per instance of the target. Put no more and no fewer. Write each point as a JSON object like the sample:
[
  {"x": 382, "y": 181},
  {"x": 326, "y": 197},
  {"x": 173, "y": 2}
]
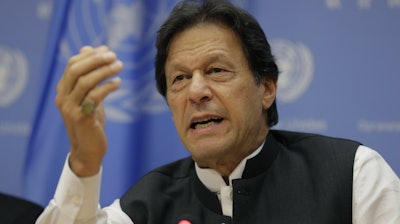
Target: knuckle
[
  {"x": 83, "y": 83},
  {"x": 73, "y": 69},
  {"x": 58, "y": 101},
  {"x": 65, "y": 111},
  {"x": 58, "y": 88},
  {"x": 73, "y": 60},
  {"x": 91, "y": 95}
]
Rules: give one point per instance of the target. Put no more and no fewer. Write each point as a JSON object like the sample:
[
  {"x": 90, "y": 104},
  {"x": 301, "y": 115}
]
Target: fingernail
[
  {"x": 116, "y": 80},
  {"x": 116, "y": 65},
  {"x": 109, "y": 55},
  {"x": 86, "y": 48}
]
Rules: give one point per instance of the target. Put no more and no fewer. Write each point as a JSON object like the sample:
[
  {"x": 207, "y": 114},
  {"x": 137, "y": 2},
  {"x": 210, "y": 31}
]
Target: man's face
[{"x": 218, "y": 110}]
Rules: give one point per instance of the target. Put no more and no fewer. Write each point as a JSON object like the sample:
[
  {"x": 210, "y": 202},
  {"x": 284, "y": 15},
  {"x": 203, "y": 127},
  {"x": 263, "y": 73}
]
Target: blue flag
[{"x": 139, "y": 125}]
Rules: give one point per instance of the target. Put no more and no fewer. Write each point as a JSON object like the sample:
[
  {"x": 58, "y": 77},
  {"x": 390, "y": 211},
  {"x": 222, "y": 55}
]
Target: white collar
[{"x": 214, "y": 181}]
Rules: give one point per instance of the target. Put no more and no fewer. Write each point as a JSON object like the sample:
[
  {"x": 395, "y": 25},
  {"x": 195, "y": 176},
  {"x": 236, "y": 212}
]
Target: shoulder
[
  {"x": 177, "y": 169},
  {"x": 317, "y": 150},
  {"x": 369, "y": 162},
  {"x": 161, "y": 178},
  {"x": 157, "y": 191},
  {"x": 376, "y": 189},
  {"x": 301, "y": 139}
]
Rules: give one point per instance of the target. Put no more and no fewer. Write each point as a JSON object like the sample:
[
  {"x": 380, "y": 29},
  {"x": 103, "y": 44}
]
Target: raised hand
[{"x": 80, "y": 92}]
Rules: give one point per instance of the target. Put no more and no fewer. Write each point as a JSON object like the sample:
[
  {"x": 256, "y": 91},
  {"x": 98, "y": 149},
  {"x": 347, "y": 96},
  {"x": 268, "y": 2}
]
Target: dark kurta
[{"x": 296, "y": 178}]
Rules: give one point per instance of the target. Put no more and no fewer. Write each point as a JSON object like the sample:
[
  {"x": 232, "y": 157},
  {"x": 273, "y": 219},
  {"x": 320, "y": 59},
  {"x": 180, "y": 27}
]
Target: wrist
[{"x": 84, "y": 167}]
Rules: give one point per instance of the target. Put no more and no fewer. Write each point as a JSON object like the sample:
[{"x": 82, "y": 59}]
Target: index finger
[{"x": 85, "y": 62}]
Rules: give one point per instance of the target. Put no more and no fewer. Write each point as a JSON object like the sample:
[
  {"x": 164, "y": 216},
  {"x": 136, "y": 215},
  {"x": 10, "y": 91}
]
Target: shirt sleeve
[
  {"x": 376, "y": 190},
  {"x": 76, "y": 200}
]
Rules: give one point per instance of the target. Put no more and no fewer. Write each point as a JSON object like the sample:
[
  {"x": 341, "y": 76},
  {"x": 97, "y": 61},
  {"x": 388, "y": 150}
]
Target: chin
[{"x": 205, "y": 158}]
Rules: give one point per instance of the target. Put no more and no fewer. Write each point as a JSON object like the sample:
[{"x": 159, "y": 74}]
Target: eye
[
  {"x": 215, "y": 70},
  {"x": 178, "y": 78}
]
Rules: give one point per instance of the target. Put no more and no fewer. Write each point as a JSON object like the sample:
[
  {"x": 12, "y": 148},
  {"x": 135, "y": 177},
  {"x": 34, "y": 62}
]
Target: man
[{"x": 216, "y": 71}]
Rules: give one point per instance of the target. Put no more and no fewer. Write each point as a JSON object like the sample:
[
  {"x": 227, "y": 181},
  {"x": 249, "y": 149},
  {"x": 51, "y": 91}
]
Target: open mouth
[{"x": 205, "y": 123}]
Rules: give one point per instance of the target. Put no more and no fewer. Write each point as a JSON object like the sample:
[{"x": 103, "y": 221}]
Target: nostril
[
  {"x": 204, "y": 98},
  {"x": 200, "y": 95}
]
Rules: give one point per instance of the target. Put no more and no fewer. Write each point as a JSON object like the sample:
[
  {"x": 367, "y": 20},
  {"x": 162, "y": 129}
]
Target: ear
[{"x": 270, "y": 87}]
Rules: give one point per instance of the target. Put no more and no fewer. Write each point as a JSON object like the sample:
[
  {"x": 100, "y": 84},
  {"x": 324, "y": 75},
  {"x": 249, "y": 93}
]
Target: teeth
[
  {"x": 207, "y": 122},
  {"x": 206, "y": 119}
]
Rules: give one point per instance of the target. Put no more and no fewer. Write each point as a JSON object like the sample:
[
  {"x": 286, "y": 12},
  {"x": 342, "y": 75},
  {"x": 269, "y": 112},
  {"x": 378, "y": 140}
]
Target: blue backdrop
[{"x": 339, "y": 76}]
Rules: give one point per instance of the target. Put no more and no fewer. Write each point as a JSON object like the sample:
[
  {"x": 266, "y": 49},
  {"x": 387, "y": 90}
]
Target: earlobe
[{"x": 270, "y": 87}]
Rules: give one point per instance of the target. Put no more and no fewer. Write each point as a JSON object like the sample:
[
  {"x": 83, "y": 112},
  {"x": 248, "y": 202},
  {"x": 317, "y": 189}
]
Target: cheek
[
  {"x": 177, "y": 109},
  {"x": 253, "y": 102}
]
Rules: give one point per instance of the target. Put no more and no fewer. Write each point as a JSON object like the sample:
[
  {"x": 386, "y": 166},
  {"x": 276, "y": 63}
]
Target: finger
[
  {"x": 98, "y": 94},
  {"x": 89, "y": 81},
  {"x": 84, "y": 52},
  {"x": 85, "y": 64},
  {"x": 93, "y": 99},
  {"x": 85, "y": 49},
  {"x": 79, "y": 65}
]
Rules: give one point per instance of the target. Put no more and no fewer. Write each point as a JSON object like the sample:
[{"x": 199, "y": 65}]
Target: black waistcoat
[{"x": 296, "y": 178}]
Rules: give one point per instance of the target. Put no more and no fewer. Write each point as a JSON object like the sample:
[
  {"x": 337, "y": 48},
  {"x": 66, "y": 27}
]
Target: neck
[
  {"x": 224, "y": 168},
  {"x": 226, "y": 165}
]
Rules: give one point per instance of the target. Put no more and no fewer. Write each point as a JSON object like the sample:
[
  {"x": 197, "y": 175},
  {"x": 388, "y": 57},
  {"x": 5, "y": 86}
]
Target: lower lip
[{"x": 207, "y": 130}]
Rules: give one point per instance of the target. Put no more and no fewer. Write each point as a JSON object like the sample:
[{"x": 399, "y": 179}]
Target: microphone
[
  {"x": 187, "y": 219},
  {"x": 184, "y": 221}
]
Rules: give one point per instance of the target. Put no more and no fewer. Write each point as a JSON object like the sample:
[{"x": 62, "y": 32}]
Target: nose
[{"x": 199, "y": 90}]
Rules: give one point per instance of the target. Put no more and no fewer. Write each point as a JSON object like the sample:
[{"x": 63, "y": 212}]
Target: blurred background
[{"x": 339, "y": 63}]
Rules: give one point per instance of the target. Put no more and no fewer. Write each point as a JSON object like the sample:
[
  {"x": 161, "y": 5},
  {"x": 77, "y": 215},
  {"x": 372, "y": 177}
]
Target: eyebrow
[{"x": 210, "y": 59}]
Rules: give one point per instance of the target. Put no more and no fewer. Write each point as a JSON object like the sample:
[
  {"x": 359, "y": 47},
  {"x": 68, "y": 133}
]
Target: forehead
[{"x": 204, "y": 40}]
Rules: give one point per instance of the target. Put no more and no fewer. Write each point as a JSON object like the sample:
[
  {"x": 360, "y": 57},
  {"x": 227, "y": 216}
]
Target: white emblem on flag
[
  {"x": 13, "y": 75},
  {"x": 129, "y": 29},
  {"x": 295, "y": 63}
]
